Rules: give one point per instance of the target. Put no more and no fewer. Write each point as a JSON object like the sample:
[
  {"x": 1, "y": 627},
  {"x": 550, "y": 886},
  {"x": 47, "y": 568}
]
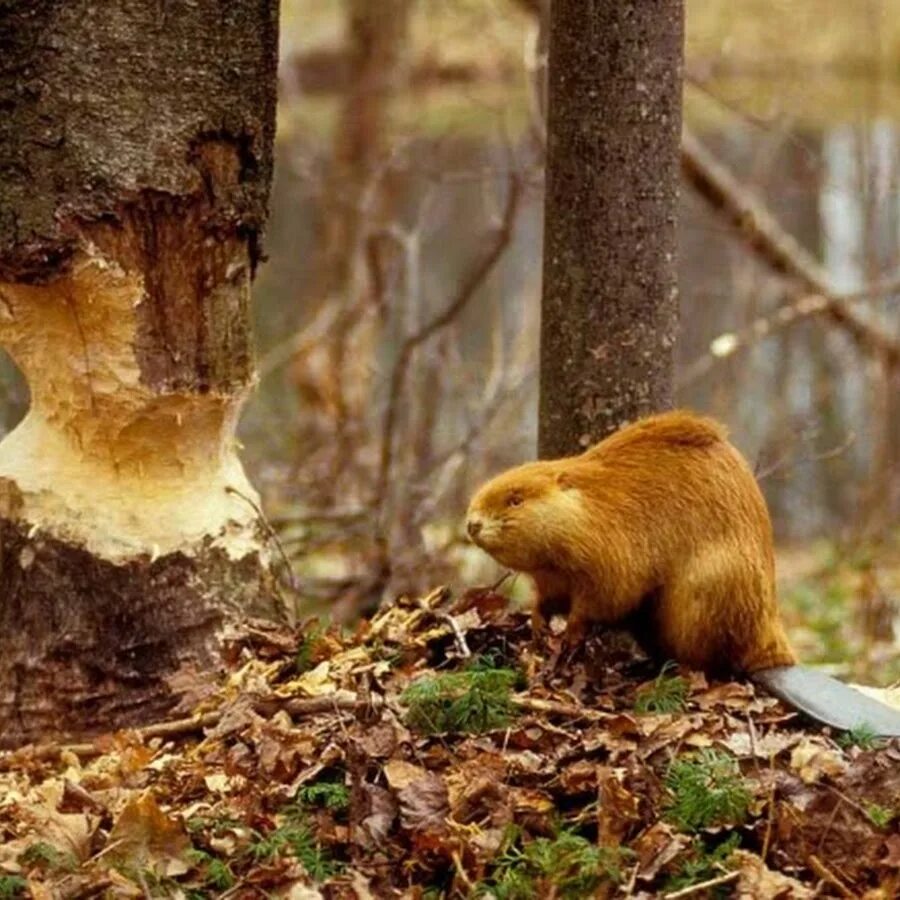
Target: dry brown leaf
[
  {"x": 376, "y": 824},
  {"x": 618, "y": 806},
  {"x": 69, "y": 833},
  {"x": 758, "y": 882},
  {"x": 811, "y": 761},
  {"x": 380, "y": 741},
  {"x": 656, "y": 848},
  {"x": 730, "y": 694},
  {"x": 401, "y": 774},
  {"x": 300, "y": 891},
  {"x": 144, "y": 834},
  {"x": 762, "y": 746},
  {"x": 892, "y": 858},
  {"x": 423, "y": 804}
]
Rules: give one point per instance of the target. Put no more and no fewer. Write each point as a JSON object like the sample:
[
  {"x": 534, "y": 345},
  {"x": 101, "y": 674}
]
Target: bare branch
[
  {"x": 779, "y": 250},
  {"x": 494, "y": 245},
  {"x": 803, "y": 307}
]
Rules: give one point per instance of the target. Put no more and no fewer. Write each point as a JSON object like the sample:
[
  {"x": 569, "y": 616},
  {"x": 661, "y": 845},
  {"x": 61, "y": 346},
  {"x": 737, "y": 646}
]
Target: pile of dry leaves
[{"x": 434, "y": 753}]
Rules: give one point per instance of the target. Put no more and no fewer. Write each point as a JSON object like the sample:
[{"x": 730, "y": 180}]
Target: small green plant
[
  {"x": 299, "y": 841},
  {"x": 42, "y": 855},
  {"x": 473, "y": 701},
  {"x": 215, "y": 826},
  {"x": 329, "y": 794},
  {"x": 880, "y": 816},
  {"x": 303, "y": 661},
  {"x": 863, "y": 736},
  {"x": 296, "y": 838},
  {"x": 703, "y": 863},
  {"x": 216, "y": 873},
  {"x": 666, "y": 694},
  {"x": 706, "y": 789},
  {"x": 12, "y": 887},
  {"x": 568, "y": 864}
]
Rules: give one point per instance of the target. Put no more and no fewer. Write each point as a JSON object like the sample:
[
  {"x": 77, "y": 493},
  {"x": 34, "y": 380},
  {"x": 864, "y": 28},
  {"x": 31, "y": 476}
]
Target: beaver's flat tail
[{"x": 828, "y": 700}]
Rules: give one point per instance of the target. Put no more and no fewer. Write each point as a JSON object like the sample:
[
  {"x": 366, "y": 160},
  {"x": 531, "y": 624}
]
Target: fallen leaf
[
  {"x": 144, "y": 834},
  {"x": 400, "y": 773},
  {"x": 618, "y": 809},
  {"x": 758, "y": 882},
  {"x": 423, "y": 803},
  {"x": 810, "y": 760}
]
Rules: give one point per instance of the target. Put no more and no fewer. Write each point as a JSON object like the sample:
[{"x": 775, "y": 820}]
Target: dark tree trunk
[
  {"x": 609, "y": 300},
  {"x": 135, "y": 162}
]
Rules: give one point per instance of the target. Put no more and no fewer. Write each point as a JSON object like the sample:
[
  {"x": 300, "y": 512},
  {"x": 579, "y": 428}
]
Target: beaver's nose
[{"x": 473, "y": 527}]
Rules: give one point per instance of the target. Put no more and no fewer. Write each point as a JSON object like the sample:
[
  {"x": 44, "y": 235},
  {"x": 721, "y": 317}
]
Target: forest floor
[{"x": 434, "y": 753}]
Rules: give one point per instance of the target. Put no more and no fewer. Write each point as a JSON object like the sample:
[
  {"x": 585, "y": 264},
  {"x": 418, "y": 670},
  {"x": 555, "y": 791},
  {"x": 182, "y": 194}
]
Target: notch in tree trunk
[{"x": 136, "y": 147}]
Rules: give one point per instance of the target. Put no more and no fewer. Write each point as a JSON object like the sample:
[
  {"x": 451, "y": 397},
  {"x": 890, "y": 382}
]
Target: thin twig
[
  {"x": 461, "y": 644},
  {"x": 824, "y": 872},
  {"x": 781, "y": 252},
  {"x": 632, "y": 881},
  {"x": 535, "y": 704},
  {"x": 298, "y": 707},
  {"x": 273, "y": 536},
  {"x": 785, "y": 463},
  {"x": 805, "y": 306},
  {"x": 468, "y": 287},
  {"x": 703, "y": 886}
]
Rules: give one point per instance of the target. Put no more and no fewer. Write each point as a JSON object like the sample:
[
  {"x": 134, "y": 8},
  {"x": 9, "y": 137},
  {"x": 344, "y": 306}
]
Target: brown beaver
[{"x": 662, "y": 527}]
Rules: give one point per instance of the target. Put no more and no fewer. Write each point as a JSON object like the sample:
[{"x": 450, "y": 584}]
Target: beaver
[{"x": 662, "y": 528}]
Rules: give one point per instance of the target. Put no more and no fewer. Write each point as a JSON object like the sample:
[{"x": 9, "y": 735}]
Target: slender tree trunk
[
  {"x": 609, "y": 299},
  {"x": 136, "y": 154}
]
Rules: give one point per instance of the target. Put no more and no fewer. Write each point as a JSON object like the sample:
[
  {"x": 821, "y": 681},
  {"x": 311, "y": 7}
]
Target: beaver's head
[{"x": 518, "y": 516}]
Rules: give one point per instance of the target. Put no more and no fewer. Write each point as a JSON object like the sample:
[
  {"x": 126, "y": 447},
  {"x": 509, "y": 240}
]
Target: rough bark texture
[
  {"x": 609, "y": 298},
  {"x": 91, "y": 660},
  {"x": 105, "y": 103},
  {"x": 135, "y": 162}
]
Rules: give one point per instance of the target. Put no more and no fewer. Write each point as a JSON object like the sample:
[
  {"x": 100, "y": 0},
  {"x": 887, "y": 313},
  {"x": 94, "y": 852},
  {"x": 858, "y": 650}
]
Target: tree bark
[
  {"x": 136, "y": 157},
  {"x": 609, "y": 306}
]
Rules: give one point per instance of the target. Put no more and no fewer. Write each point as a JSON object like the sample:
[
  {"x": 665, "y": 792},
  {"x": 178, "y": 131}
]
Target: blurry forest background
[{"x": 397, "y": 315}]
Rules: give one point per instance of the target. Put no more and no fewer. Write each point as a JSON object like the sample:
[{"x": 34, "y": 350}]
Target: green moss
[
  {"x": 473, "y": 701},
  {"x": 862, "y": 736},
  {"x": 880, "y": 816},
  {"x": 704, "y": 862},
  {"x": 330, "y": 794},
  {"x": 45, "y": 856},
  {"x": 706, "y": 789},
  {"x": 12, "y": 887},
  {"x": 215, "y": 872},
  {"x": 304, "y": 661},
  {"x": 567, "y": 866},
  {"x": 666, "y": 694},
  {"x": 295, "y": 838}
]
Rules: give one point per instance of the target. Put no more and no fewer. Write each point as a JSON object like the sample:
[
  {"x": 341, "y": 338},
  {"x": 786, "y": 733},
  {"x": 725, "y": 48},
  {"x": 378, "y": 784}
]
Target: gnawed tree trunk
[
  {"x": 609, "y": 307},
  {"x": 135, "y": 162}
]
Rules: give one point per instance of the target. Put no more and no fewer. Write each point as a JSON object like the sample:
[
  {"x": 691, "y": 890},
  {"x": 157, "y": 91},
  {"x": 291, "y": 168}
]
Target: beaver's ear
[{"x": 564, "y": 481}]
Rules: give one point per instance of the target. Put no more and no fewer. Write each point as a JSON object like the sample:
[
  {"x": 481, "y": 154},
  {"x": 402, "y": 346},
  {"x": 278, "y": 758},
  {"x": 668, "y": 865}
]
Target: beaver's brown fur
[{"x": 661, "y": 527}]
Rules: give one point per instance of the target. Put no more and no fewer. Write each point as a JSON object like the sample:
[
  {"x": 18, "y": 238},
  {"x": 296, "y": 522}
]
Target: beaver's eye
[{"x": 514, "y": 500}]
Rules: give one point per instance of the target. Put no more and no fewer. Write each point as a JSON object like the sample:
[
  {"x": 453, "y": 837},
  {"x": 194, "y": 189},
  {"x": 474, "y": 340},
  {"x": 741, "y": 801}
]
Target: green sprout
[
  {"x": 666, "y": 694},
  {"x": 706, "y": 789},
  {"x": 473, "y": 701}
]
